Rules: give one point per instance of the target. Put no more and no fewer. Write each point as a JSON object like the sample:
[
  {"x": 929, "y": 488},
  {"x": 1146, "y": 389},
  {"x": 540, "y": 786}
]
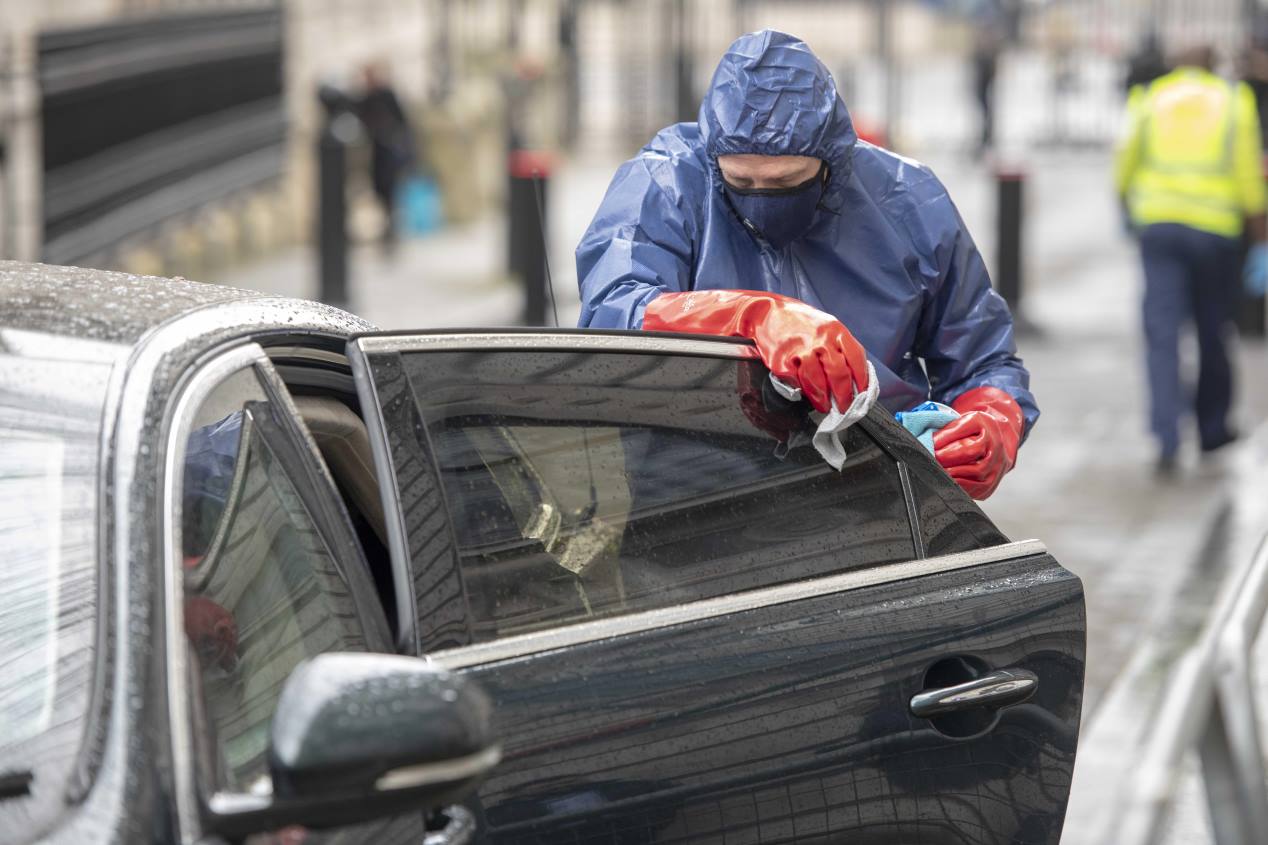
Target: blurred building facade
[
  {"x": 169, "y": 135},
  {"x": 905, "y": 64},
  {"x": 116, "y": 117}
]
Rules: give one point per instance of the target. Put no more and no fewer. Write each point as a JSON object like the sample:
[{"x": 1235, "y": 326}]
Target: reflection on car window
[
  {"x": 262, "y": 590},
  {"x": 31, "y": 470},
  {"x": 50, "y": 434},
  {"x": 588, "y": 485},
  {"x": 210, "y": 459}
]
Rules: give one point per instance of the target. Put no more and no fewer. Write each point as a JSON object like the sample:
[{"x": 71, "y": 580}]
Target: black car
[{"x": 274, "y": 576}]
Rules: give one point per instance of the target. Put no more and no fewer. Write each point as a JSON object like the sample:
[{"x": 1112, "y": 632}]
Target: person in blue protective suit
[{"x": 769, "y": 219}]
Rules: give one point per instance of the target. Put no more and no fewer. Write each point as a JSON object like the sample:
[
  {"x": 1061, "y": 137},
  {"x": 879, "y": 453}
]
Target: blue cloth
[
  {"x": 1255, "y": 272},
  {"x": 1189, "y": 274},
  {"x": 924, "y": 421},
  {"x": 887, "y": 254}
]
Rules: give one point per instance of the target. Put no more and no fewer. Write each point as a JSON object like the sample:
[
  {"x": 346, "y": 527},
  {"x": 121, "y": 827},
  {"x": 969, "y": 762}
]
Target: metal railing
[{"x": 1209, "y": 706}]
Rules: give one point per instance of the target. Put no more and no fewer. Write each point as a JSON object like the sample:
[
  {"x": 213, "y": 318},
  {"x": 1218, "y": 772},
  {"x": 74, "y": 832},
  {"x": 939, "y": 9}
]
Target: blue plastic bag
[{"x": 418, "y": 204}]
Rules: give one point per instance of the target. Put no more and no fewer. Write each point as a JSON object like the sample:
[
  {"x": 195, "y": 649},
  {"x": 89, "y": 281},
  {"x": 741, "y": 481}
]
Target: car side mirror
[{"x": 357, "y": 737}]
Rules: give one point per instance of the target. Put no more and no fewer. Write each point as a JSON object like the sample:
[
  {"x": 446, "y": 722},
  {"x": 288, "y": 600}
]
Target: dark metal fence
[{"x": 145, "y": 120}]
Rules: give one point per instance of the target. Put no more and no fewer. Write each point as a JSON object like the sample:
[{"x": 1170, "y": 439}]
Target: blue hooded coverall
[{"x": 887, "y": 254}]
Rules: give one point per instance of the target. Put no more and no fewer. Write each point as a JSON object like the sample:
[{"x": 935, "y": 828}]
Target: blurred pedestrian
[
  {"x": 768, "y": 219},
  {"x": 1147, "y": 62},
  {"x": 1188, "y": 170},
  {"x": 986, "y": 49},
  {"x": 391, "y": 142},
  {"x": 524, "y": 85}
]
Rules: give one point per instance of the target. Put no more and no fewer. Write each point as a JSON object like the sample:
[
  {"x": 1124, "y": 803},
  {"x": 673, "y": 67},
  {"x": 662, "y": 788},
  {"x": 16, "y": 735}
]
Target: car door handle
[{"x": 996, "y": 689}]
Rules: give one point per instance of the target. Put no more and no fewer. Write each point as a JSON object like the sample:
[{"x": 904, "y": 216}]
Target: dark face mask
[{"x": 779, "y": 215}]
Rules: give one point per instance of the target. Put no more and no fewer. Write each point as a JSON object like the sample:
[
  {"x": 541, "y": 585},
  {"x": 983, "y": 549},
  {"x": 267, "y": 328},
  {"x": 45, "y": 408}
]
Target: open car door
[{"x": 696, "y": 631}]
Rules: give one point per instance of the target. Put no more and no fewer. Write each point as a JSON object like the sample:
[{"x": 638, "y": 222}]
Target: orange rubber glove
[
  {"x": 800, "y": 345},
  {"x": 981, "y": 446}
]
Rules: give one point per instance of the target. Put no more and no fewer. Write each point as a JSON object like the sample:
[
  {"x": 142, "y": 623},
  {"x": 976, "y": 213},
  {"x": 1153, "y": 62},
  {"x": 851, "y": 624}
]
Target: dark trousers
[{"x": 1189, "y": 274}]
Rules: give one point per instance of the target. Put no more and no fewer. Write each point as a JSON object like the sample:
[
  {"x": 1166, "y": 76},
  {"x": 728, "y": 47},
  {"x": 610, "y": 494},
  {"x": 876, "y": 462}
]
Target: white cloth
[{"x": 827, "y": 438}]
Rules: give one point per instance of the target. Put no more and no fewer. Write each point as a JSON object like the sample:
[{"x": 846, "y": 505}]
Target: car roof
[{"x": 98, "y": 304}]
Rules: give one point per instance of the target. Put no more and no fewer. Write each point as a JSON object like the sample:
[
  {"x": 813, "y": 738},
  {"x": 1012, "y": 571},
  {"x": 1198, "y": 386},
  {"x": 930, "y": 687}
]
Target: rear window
[{"x": 50, "y": 418}]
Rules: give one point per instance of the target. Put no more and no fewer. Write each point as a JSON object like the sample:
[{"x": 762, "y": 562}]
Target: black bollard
[
  {"x": 686, "y": 103},
  {"x": 1250, "y": 314},
  {"x": 572, "y": 75},
  {"x": 529, "y": 177},
  {"x": 1009, "y": 261},
  {"x": 332, "y": 216}
]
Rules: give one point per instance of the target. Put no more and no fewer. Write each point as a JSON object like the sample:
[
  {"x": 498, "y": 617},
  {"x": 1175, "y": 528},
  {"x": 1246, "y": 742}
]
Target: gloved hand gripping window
[
  {"x": 827, "y": 438},
  {"x": 980, "y": 446},
  {"x": 975, "y": 440},
  {"x": 807, "y": 351},
  {"x": 800, "y": 345}
]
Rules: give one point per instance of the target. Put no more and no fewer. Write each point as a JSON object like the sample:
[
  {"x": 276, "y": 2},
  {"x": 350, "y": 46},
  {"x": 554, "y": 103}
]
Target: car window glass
[
  {"x": 949, "y": 520},
  {"x": 262, "y": 588},
  {"x": 32, "y": 466},
  {"x": 50, "y": 433},
  {"x": 582, "y": 486}
]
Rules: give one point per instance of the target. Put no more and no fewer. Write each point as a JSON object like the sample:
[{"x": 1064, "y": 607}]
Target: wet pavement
[
  {"x": 1084, "y": 482},
  {"x": 1151, "y": 553}
]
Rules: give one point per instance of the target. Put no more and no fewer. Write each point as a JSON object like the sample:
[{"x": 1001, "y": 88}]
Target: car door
[
  {"x": 695, "y": 630},
  {"x": 268, "y": 573}
]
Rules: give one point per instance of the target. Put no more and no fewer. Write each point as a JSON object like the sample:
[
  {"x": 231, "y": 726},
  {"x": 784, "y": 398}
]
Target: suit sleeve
[
  {"x": 638, "y": 245},
  {"x": 966, "y": 331}
]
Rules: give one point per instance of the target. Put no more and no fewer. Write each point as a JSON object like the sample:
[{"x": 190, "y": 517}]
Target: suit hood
[{"x": 772, "y": 96}]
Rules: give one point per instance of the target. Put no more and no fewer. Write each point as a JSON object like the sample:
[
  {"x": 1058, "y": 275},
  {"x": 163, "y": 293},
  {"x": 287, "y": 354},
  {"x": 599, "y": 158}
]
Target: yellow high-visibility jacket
[{"x": 1191, "y": 153}]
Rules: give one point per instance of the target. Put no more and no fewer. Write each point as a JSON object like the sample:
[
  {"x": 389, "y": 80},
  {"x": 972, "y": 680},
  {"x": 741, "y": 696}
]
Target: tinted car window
[
  {"x": 585, "y": 485},
  {"x": 949, "y": 520},
  {"x": 262, "y": 587},
  {"x": 52, "y": 396}
]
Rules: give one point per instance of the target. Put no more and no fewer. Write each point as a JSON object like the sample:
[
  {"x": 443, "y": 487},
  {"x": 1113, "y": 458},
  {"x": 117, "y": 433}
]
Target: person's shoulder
[
  {"x": 675, "y": 157},
  {"x": 679, "y": 140},
  {"x": 896, "y": 182},
  {"x": 911, "y": 198}
]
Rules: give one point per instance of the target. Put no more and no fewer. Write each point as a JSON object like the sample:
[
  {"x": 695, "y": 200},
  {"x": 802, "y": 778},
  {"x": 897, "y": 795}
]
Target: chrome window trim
[
  {"x": 205, "y": 379},
  {"x": 501, "y": 340},
  {"x": 581, "y": 633},
  {"x": 407, "y": 637}
]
